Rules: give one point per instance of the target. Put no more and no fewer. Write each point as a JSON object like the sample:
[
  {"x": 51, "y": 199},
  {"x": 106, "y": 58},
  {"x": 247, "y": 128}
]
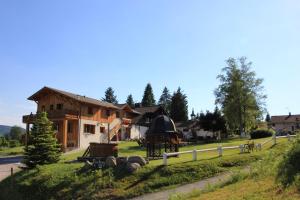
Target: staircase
[{"x": 114, "y": 128}]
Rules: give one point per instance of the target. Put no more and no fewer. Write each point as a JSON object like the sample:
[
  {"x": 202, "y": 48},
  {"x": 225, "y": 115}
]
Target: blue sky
[{"x": 86, "y": 46}]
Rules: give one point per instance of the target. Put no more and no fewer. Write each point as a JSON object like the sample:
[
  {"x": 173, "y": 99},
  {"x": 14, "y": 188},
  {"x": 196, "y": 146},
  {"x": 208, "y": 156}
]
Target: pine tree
[
  {"x": 130, "y": 101},
  {"x": 179, "y": 106},
  {"x": 148, "y": 98},
  {"x": 110, "y": 96},
  {"x": 44, "y": 148},
  {"x": 165, "y": 100}
]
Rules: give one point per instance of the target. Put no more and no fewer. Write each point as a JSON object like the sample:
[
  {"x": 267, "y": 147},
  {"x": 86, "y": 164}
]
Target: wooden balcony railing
[{"x": 53, "y": 114}]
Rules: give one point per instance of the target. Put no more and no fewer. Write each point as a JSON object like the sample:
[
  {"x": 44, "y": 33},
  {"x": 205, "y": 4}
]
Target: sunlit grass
[{"x": 12, "y": 151}]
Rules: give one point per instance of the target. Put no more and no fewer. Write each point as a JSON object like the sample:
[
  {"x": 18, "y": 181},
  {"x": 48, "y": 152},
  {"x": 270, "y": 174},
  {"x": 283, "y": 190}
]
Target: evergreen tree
[
  {"x": 179, "y": 106},
  {"x": 44, "y": 148},
  {"x": 110, "y": 96},
  {"x": 130, "y": 101},
  {"x": 165, "y": 100},
  {"x": 148, "y": 98}
]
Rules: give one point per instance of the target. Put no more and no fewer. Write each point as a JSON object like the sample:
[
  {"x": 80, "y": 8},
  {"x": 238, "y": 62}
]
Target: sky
[{"x": 86, "y": 46}]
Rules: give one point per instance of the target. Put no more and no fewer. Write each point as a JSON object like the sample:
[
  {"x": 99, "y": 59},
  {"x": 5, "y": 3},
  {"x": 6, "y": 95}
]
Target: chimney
[{"x": 290, "y": 114}]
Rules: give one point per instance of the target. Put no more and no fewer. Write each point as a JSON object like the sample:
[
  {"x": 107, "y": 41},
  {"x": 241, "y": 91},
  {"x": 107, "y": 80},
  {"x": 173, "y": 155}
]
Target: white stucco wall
[
  {"x": 86, "y": 138},
  {"x": 138, "y": 131},
  {"x": 204, "y": 134}
]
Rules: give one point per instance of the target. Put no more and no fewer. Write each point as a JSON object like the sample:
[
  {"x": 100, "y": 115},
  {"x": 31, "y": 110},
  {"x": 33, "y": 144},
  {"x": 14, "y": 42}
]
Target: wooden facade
[{"x": 74, "y": 115}]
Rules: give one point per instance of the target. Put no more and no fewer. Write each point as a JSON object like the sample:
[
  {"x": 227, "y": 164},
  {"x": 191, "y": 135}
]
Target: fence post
[
  {"x": 165, "y": 159},
  {"x": 241, "y": 148},
  {"x": 274, "y": 139},
  {"x": 220, "y": 150},
  {"x": 12, "y": 179},
  {"x": 289, "y": 137},
  {"x": 194, "y": 155}
]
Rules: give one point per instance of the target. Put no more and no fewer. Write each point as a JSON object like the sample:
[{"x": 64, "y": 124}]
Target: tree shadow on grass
[{"x": 145, "y": 177}]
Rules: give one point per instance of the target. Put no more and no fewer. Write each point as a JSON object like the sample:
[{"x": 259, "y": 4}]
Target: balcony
[{"x": 53, "y": 114}]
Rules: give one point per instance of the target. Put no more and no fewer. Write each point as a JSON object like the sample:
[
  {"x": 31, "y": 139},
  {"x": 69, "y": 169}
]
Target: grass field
[
  {"x": 11, "y": 151},
  {"x": 68, "y": 180},
  {"x": 257, "y": 183}
]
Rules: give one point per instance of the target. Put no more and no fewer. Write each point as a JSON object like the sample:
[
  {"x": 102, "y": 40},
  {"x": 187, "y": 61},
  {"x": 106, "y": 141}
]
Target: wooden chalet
[{"x": 79, "y": 120}]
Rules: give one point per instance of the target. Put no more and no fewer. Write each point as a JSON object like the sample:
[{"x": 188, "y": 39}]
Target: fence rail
[{"x": 220, "y": 149}]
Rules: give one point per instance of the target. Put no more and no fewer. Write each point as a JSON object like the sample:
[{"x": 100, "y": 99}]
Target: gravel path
[{"x": 200, "y": 185}]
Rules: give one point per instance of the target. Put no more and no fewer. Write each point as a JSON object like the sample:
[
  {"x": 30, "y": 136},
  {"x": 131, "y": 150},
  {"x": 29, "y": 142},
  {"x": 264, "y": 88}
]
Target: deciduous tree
[{"x": 240, "y": 95}]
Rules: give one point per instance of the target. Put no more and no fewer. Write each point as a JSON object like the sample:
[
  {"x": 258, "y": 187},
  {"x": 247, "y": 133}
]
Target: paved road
[
  {"x": 6, "y": 163},
  {"x": 200, "y": 185}
]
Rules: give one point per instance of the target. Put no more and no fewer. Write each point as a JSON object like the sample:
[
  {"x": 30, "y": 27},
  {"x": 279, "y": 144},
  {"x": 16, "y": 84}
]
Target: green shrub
[
  {"x": 3, "y": 142},
  {"x": 261, "y": 133},
  {"x": 297, "y": 181},
  {"x": 289, "y": 167},
  {"x": 14, "y": 143}
]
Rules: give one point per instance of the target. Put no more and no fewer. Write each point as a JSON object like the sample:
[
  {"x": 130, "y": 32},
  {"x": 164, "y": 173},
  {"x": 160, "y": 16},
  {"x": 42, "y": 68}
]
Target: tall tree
[
  {"x": 16, "y": 133},
  {"x": 179, "y": 106},
  {"x": 240, "y": 95},
  {"x": 44, "y": 148},
  {"x": 130, "y": 101},
  {"x": 148, "y": 98},
  {"x": 165, "y": 99},
  {"x": 110, "y": 96}
]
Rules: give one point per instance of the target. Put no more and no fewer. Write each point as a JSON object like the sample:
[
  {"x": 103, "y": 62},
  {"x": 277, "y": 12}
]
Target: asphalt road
[{"x": 6, "y": 163}]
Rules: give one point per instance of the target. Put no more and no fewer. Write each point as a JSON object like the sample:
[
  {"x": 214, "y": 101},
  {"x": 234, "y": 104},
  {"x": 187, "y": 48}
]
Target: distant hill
[{"x": 6, "y": 129}]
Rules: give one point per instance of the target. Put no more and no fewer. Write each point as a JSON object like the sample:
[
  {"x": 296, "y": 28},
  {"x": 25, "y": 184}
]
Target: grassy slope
[
  {"x": 258, "y": 183},
  {"x": 71, "y": 180},
  {"x": 252, "y": 189}
]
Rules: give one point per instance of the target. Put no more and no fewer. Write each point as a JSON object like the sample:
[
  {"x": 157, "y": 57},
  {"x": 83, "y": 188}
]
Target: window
[
  {"x": 90, "y": 110},
  {"x": 70, "y": 127},
  {"x": 107, "y": 113},
  {"x": 88, "y": 128},
  {"x": 51, "y": 107},
  {"x": 293, "y": 128},
  {"x": 59, "y": 106},
  {"x": 102, "y": 129},
  {"x": 43, "y": 108},
  {"x": 117, "y": 114}
]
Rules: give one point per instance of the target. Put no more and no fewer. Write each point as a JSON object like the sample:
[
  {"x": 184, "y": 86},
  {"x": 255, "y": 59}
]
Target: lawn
[
  {"x": 12, "y": 151},
  {"x": 67, "y": 180},
  {"x": 257, "y": 183},
  {"x": 250, "y": 189}
]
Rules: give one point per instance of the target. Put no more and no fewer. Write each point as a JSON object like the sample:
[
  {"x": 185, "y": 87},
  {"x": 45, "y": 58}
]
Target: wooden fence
[{"x": 220, "y": 149}]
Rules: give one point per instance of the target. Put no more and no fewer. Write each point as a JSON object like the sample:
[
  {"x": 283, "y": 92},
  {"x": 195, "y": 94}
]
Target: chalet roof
[
  {"x": 36, "y": 96},
  {"x": 187, "y": 124},
  {"x": 285, "y": 118},
  {"x": 124, "y": 105},
  {"x": 149, "y": 109}
]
